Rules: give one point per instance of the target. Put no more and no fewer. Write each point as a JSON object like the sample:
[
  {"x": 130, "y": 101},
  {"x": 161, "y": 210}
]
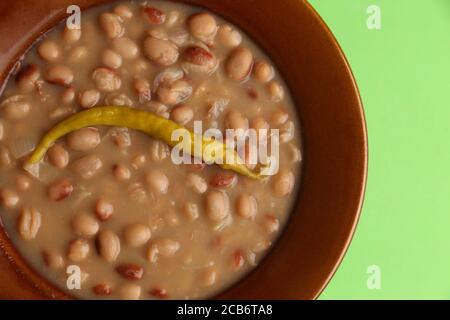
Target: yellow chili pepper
[{"x": 149, "y": 123}]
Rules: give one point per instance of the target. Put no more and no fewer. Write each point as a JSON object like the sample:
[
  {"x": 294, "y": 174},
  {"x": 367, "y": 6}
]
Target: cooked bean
[
  {"x": 224, "y": 180},
  {"x": 278, "y": 117},
  {"x": 123, "y": 11},
  {"x": 49, "y": 51},
  {"x": 108, "y": 245},
  {"x": 236, "y": 120},
  {"x": 71, "y": 36},
  {"x": 102, "y": 289},
  {"x": 159, "y": 293},
  {"x": 111, "y": 25},
  {"x": 28, "y": 223},
  {"x": 239, "y": 64},
  {"x": 27, "y": 77},
  {"x": 106, "y": 80},
  {"x": 111, "y": 59},
  {"x": 164, "y": 247},
  {"x": 157, "y": 181},
  {"x": 270, "y": 223},
  {"x": 287, "y": 131},
  {"x": 136, "y": 235},
  {"x": 142, "y": 89},
  {"x": 159, "y": 151},
  {"x": 209, "y": 277},
  {"x": 130, "y": 271},
  {"x": 171, "y": 93},
  {"x": 85, "y": 225},
  {"x": 16, "y": 110},
  {"x": 59, "y": 74},
  {"x": 191, "y": 211},
  {"x": 137, "y": 192},
  {"x": 87, "y": 166},
  {"x": 138, "y": 161},
  {"x": 77, "y": 54},
  {"x": 23, "y": 182},
  {"x": 88, "y": 98},
  {"x": 228, "y": 36},
  {"x": 161, "y": 52},
  {"x": 283, "y": 183},
  {"x": 104, "y": 209},
  {"x": 58, "y": 156},
  {"x": 197, "y": 183},
  {"x": 121, "y": 172},
  {"x": 83, "y": 139},
  {"x": 121, "y": 137},
  {"x": 53, "y": 260},
  {"x": 172, "y": 18},
  {"x": 199, "y": 60},
  {"x": 246, "y": 206},
  {"x": 130, "y": 291},
  {"x": 60, "y": 189},
  {"x": 261, "y": 126},
  {"x": 182, "y": 114},
  {"x": 68, "y": 95},
  {"x": 275, "y": 91},
  {"x": 216, "y": 205},
  {"x": 153, "y": 15},
  {"x": 202, "y": 26},
  {"x": 126, "y": 48},
  {"x": 118, "y": 99},
  {"x": 263, "y": 71},
  {"x": 78, "y": 250},
  {"x": 9, "y": 198}
]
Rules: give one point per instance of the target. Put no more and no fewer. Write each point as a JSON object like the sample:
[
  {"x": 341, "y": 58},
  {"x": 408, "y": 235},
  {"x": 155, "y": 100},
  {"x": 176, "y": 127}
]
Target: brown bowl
[{"x": 333, "y": 131}]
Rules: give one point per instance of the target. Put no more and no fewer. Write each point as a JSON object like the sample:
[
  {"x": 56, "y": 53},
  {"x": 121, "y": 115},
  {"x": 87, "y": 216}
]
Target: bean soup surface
[{"x": 110, "y": 201}]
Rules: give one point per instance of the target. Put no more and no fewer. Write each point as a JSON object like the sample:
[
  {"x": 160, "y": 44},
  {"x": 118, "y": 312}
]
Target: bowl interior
[{"x": 333, "y": 133}]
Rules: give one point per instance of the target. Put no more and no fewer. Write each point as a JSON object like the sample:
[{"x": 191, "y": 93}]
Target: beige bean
[
  {"x": 153, "y": 15},
  {"x": 202, "y": 26},
  {"x": 261, "y": 126},
  {"x": 263, "y": 71},
  {"x": 108, "y": 245},
  {"x": 239, "y": 64},
  {"x": 126, "y": 48},
  {"x": 83, "y": 139},
  {"x": 118, "y": 99},
  {"x": 196, "y": 182},
  {"x": 58, "y": 156},
  {"x": 49, "y": 51},
  {"x": 287, "y": 132},
  {"x": 60, "y": 189},
  {"x": 159, "y": 150},
  {"x": 59, "y": 74},
  {"x": 111, "y": 25},
  {"x": 164, "y": 247},
  {"x": 9, "y": 198},
  {"x": 53, "y": 260},
  {"x": 28, "y": 223},
  {"x": 83, "y": 224},
  {"x": 106, "y": 80},
  {"x": 16, "y": 110},
  {"x": 88, "y": 98},
  {"x": 208, "y": 277},
  {"x": 130, "y": 291},
  {"x": 173, "y": 17},
  {"x": 138, "y": 161},
  {"x": 77, "y": 54},
  {"x": 111, "y": 59},
  {"x": 270, "y": 224},
  {"x": 161, "y": 52},
  {"x": 157, "y": 181},
  {"x": 191, "y": 211},
  {"x": 136, "y": 235},
  {"x": 23, "y": 182},
  {"x": 283, "y": 183},
  {"x": 123, "y": 11},
  {"x": 104, "y": 209},
  {"x": 279, "y": 117},
  {"x": 199, "y": 60},
  {"x": 216, "y": 205},
  {"x": 68, "y": 95},
  {"x": 246, "y": 206},
  {"x": 142, "y": 89},
  {"x": 121, "y": 137},
  {"x": 70, "y": 36},
  {"x": 182, "y": 114},
  {"x": 121, "y": 172},
  {"x": 87, "y": 166},
  {"x": 236, "y": 120},
  {"x": 26, "y": 79},
  {"x": 174, "y": 92},
  {"x": 275, "y": 91},
  {"x": 228, "y": 36},
  {"x": 78, "y": 250}
]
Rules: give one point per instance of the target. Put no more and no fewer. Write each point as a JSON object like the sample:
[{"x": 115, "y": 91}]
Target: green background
[{"x": 403, "y": 73}]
